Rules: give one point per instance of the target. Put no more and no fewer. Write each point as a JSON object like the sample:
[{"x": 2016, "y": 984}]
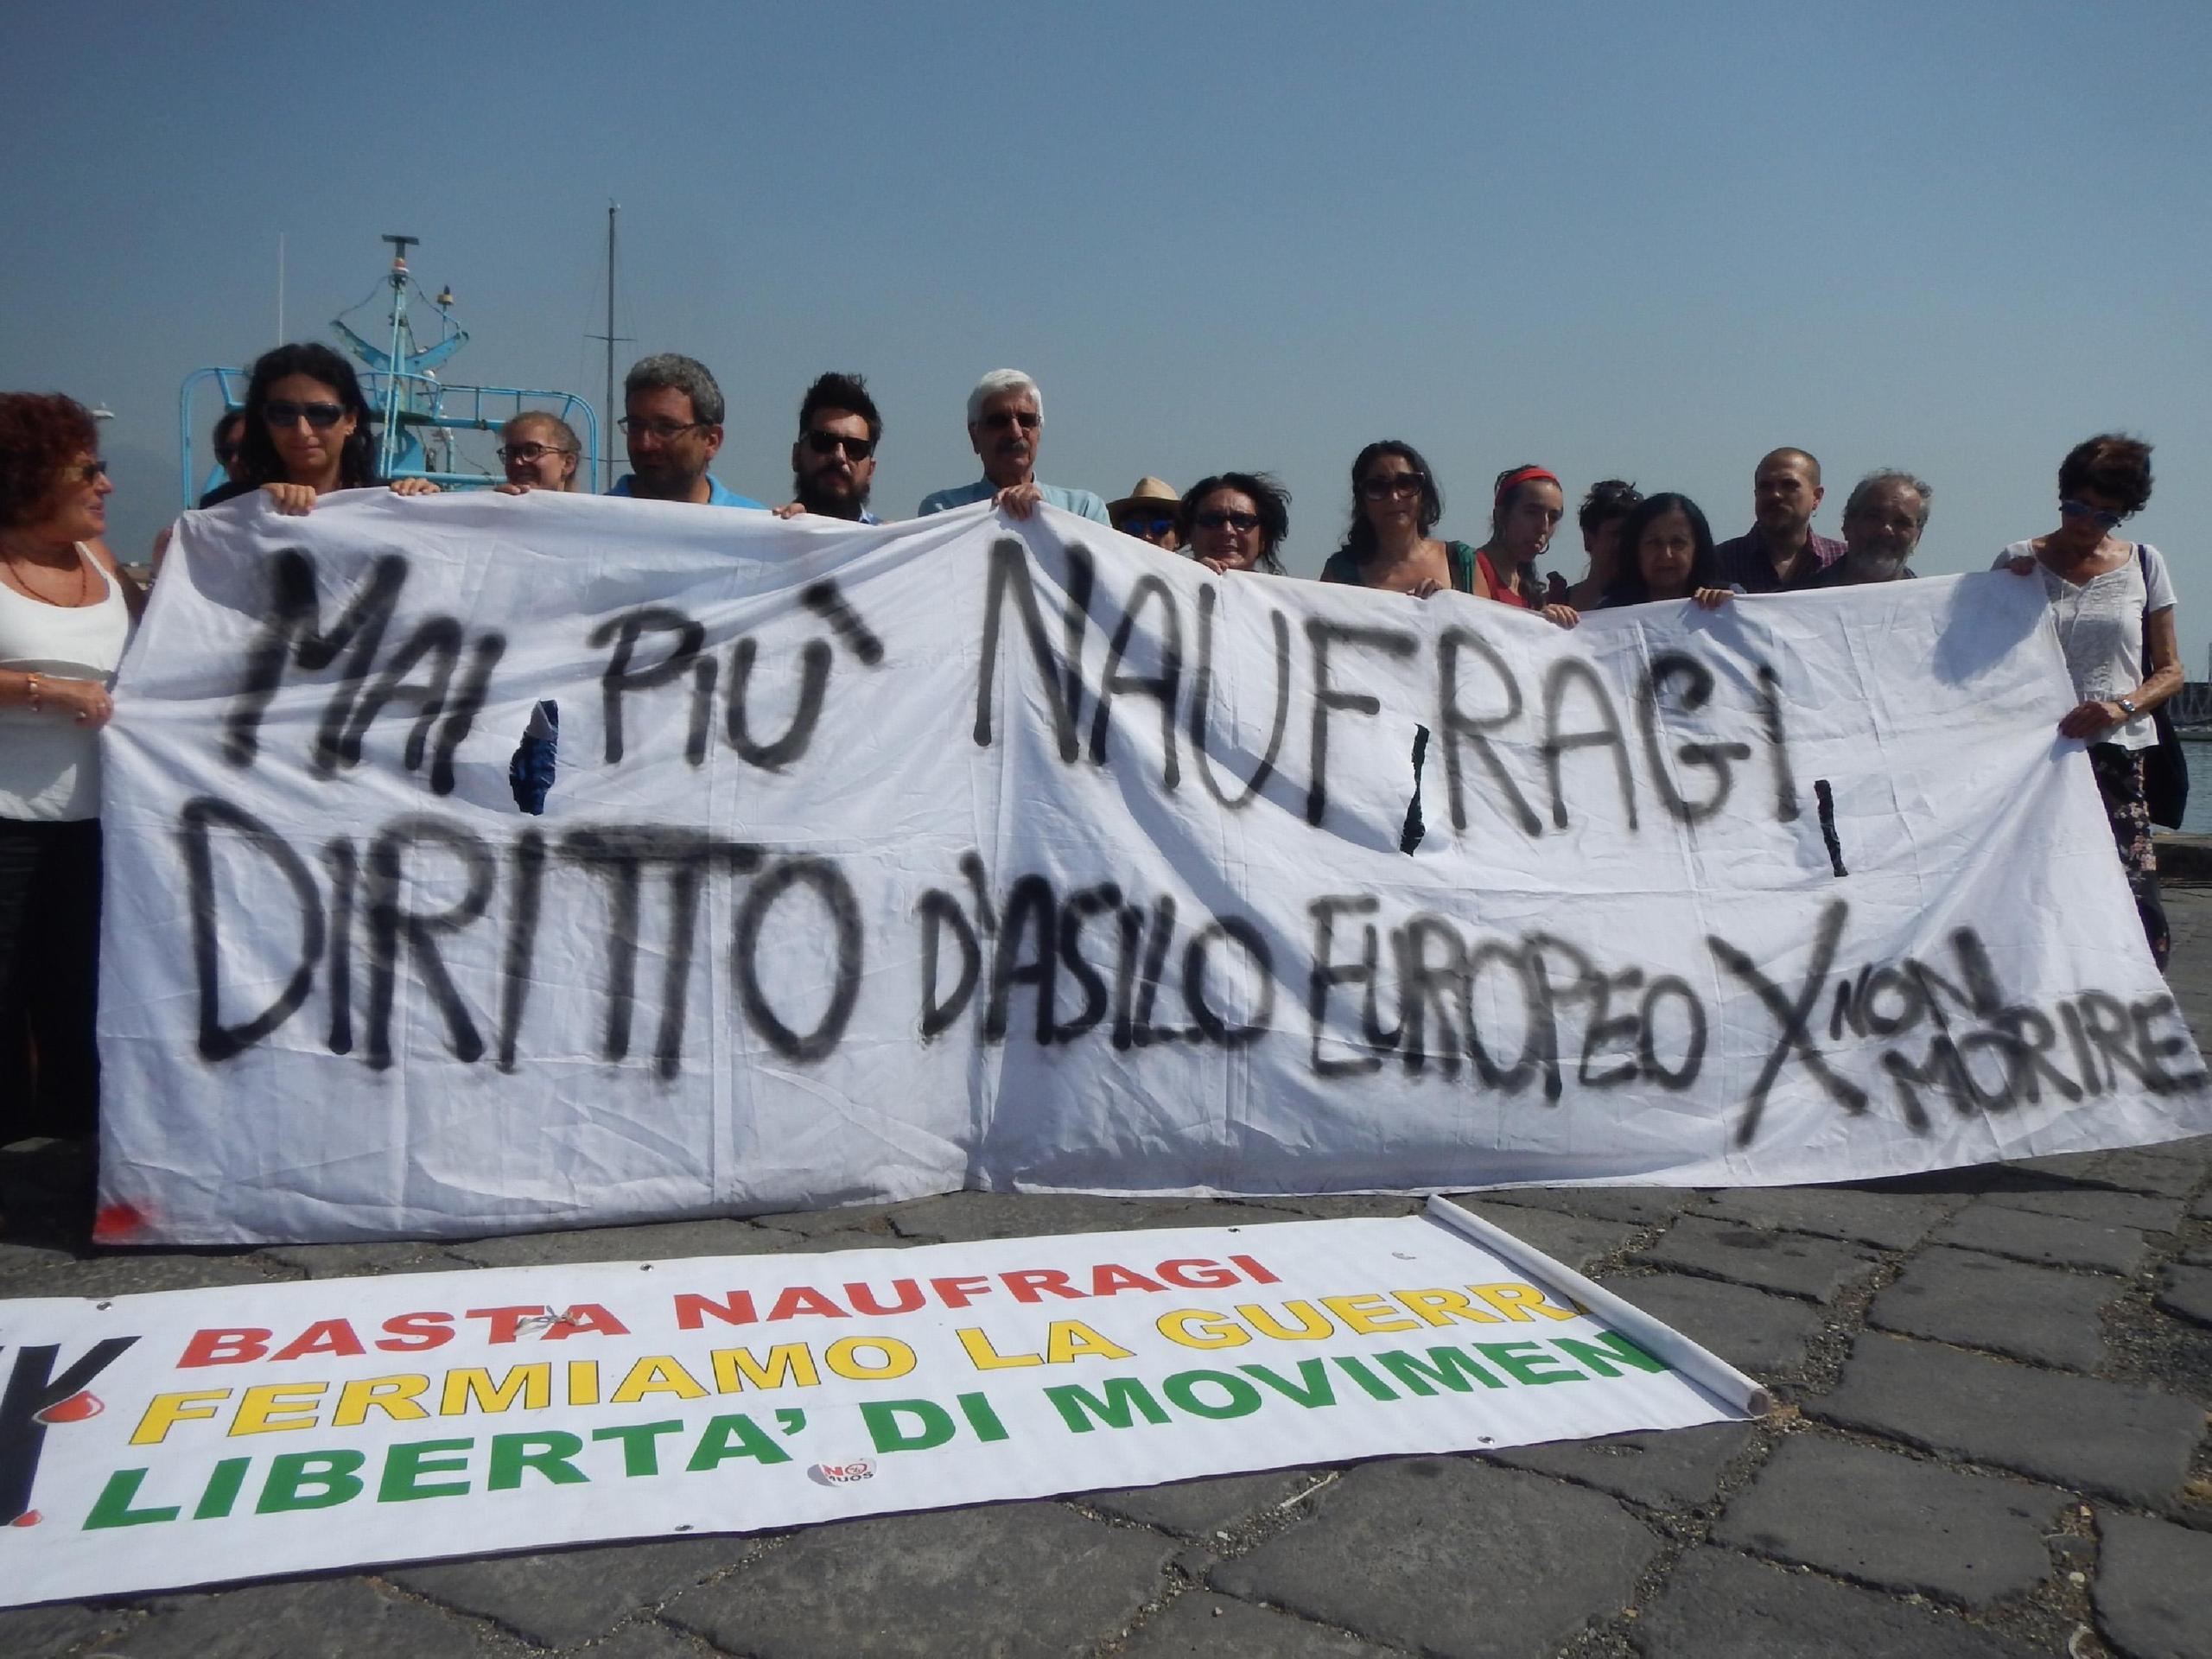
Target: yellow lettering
[
  {"x": 1520, "y": 1302},
  {"x": 393, "y": 1395},
  {"x": 267, "y": 1408},
  {"x": 163, "y": 1411},
  {"x": 583, "y": 1382},
  {"x": 788, "y": 1363},
  {"x": 1072, "y": 1339},
  {"x": 656, "y": 1374},
  {"x": 1368, "y": 1314},
  {"x": 1312, "y": 1324},
  {"x": 1442, "y": 1306},
  {"x": 843, "y": 1357},
  {"x": 1201, "y": 1327},
  {"x": 471, "y": 1387},
  {"x": 985, "y": 1357}
]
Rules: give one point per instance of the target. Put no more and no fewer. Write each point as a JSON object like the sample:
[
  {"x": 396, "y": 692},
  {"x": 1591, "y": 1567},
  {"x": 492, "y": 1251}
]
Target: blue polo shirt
[
  {"x": 717, "y": 495},
  {"x": 1081, "y": 502}
]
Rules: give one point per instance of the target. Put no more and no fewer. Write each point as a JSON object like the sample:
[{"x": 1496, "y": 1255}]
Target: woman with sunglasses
[
  {"x": 1396, "y": 503},
  {"x": 65, "y": 613},
  {"x": 1234, "y": 521},
  {"x": 539, "y": 451},
  {"x": 2113, "y": 603},
  {"x": 306, "y": 432}
]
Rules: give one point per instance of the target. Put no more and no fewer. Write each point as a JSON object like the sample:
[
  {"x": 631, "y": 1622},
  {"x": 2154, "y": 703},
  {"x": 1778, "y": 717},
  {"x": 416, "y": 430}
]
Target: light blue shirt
[
  {"x": 717, "y": 495},
  {"x": 1081, "y": 502}
]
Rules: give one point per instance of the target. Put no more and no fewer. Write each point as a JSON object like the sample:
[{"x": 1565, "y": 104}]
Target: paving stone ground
[{"x": 1992, "y": 1442}]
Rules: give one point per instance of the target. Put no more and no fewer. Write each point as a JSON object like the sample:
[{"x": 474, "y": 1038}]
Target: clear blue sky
[{"x": 1650, "y": 241}]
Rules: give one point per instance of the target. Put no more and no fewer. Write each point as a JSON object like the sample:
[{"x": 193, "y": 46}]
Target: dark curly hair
[
  {"x": 40, "y": 432},
  {"x": 1629, "y": 588},
  {"x": 846, "y": 391},
  {"x": 1267, "y": 495},
  {"x": 1359, "y": 538},
  {"x": 2113, "y": 465},
  {"x": 1609, "y": 498},
  {"x": 257, "y": 459}
]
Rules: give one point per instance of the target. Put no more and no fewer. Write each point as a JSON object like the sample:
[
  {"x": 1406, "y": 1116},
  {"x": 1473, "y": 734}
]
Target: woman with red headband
[{"x": 1526, "y": 505}]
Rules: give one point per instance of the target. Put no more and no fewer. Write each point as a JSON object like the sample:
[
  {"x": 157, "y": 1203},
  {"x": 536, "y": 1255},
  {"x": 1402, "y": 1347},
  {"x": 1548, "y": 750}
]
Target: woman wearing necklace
[
  {"x": 2113, "y": 603},
  {"x": 65, "y": 616},
  {"x": 306, "y": 433},
  {"x": 1396, "y": 503}
]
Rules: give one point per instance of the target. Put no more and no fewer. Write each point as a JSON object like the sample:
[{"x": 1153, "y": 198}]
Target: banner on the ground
[
  {"x": 885, "y": 862},
  {"x": 155, "y": 1441}
]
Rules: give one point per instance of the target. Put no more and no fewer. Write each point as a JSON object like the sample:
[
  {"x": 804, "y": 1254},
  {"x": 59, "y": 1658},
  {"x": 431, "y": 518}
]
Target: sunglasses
[
  {"x": 529, "y": 454},
  {"x": 1381, "y": 487},
  {"x": 281, "y": 412},
  {"x": 87, "y": 471},
  {"x": 662, "y": 430},
  {"x": 2103, "y": 518},
  {"x": 829, "y": 443},
  {"x": 1146, "y": 526},
  {"x": 1221, "y": 519},
  {"x": 999, "y": 419}
]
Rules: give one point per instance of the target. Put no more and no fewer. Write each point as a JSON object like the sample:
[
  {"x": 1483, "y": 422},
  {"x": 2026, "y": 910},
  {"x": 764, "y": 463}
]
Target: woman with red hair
[{"x": 65, "y": 616}]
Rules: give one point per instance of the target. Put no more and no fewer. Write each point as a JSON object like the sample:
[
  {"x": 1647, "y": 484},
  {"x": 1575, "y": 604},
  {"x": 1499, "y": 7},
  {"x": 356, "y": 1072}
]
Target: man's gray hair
[
  {"x": 999, "y": 380},
  {"x": 1885, "y": 475},
  {"x": 678, "y": 373}
]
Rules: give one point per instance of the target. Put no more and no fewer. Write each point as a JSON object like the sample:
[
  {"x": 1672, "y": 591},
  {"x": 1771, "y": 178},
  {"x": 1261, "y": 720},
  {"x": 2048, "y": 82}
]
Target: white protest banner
[
  {"x": 175, "y": 1439},
  {"x": 885, "y": 862}
]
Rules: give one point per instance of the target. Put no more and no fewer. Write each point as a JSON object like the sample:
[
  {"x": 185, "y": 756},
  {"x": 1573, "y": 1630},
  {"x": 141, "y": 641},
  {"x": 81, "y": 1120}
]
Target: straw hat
[{"x": 1157, "y": 491}]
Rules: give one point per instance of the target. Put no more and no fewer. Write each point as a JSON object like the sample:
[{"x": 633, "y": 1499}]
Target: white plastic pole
[{"x": 1706, "y": 1369}]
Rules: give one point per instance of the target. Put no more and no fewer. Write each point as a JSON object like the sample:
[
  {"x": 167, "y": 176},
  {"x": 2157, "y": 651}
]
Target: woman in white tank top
[{"x": 65, "y": 613}]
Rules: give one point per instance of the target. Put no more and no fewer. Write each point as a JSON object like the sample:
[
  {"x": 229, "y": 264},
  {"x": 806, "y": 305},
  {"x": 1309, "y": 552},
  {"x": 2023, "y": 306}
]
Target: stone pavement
[{"x": 1993, "y": 1441}]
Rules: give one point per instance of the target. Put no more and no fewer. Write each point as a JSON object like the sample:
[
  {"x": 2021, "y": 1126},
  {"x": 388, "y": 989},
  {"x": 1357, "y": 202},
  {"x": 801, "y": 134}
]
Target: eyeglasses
[
  {"x": 281, "y": 412},
  {"x": 1146, "y": 526},
  {"x": 86, "y": 472},
  {"x": 1381, "y": 486},
  {"x": 1220, "y": 518},
  {"x": 999, "y": 419},
  {"x": 529, "y": 454},
  {"x": 662, "y": 431},
  {"x": 2103, "y": 517},
  {"x": 829, "y": 443}
]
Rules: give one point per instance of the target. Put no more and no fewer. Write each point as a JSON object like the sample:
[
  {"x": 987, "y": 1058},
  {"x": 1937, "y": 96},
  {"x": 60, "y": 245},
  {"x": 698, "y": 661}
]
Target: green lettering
[
  {"x": 547, "y": 1453},
  {"x": 310, "y": 1480},
  {"x": 640, "y": 1443},
  {"x": 977, "y": 1409},
  {"x": 1182, "y": 1389},
  {"x": 889, "y": 1435},
  {"x": 1610, "y": 1345},
  {"x": 732, "y": 1436},
  {"x": 1078, "y": 1407},
  {"x": 1520, "y": 1360},
  {"x": 406, "y": 1463},
  {"x": 222, "y": 1493},
  {"x": 1313, "y": 1387},
  {"x": 1445, "y": 1366},
  {"x": 1370, "y": 1383},
  {"x": 112, "y": 1507}
]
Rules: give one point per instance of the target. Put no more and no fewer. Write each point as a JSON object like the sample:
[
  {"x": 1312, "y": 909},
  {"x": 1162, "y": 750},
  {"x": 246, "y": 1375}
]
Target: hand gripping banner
[{"x": 879, "y": 863}]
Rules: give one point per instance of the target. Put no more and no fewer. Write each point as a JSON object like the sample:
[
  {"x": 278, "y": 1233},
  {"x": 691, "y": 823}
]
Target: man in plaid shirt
[{"x": 1781, "y": 554}]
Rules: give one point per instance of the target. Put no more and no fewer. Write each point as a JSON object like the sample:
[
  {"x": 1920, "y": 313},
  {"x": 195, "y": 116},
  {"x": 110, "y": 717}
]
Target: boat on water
[{"x": 421, "y": 420}]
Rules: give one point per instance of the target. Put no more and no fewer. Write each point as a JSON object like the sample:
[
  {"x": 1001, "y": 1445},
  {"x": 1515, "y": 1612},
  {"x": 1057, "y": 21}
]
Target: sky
[{"x": 1644, "y": 241}]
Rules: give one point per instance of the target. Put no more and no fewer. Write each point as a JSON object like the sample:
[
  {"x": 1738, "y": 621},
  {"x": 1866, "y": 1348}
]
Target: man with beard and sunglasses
[
  {"x": 1005, "y": 421},
  {"x": 1882, "y": 523},
  {"x": 834, "y": 460}
]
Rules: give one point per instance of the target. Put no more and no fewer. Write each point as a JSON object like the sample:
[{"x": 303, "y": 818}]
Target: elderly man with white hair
[
  {"x": 1005, "y": 421},
  {"x": 1881, "y": 528}
]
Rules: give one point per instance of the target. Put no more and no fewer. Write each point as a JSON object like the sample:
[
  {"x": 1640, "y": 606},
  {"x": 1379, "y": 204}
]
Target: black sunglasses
[
  {"x": 2103, "y": 517},
  {"x": 1381, "y": 486},
  {"x": 283, "y": 412},
  {"x": 1221, "y": 518},
  {"x": 1146, "y": 526},
  {"x": 829, "y": 443},
  {"x": 998, "y": 419}
]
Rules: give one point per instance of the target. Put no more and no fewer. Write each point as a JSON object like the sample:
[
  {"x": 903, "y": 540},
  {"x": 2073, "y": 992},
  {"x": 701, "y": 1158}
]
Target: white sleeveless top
[{"x": 49, "y": 764}]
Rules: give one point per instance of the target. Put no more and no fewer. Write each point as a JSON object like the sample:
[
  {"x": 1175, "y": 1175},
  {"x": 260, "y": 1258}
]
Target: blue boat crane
[{"x": 416, "y": 415}]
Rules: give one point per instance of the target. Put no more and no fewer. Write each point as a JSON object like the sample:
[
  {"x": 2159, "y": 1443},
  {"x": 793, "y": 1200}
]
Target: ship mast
[{"x": 607, "y": 441}]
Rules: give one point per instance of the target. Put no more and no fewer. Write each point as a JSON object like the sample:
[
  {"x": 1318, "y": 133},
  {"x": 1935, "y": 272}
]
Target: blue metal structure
[{"x": 416, "y": 415}]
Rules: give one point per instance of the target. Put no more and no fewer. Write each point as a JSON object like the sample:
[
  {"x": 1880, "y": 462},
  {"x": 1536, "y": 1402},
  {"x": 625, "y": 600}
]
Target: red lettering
[
  {"x": 225, "y": 1347},
  {"x": 586, "y": 1318},
  {"x": 411, "y": 1331},
  {"x": 323, "y": 1337},
  {"x": 804, "y": 1299},
  {"x": 1029, "y": 1287},
  {"x": 507, "y": 1322},
  {"x": 1107, "y": 1279},
  {"x": 1260, "y": 1275},
  {"x": 960, "y": 1291},
  {"x": 734, "y": 1308},
  {"x": 1195, "y": 1274},
  {"x": 863, "y": 1297}
]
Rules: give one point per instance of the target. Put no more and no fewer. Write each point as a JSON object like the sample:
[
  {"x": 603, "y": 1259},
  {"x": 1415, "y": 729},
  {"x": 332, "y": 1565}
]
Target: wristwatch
[{"x": 2127, "y": 706}]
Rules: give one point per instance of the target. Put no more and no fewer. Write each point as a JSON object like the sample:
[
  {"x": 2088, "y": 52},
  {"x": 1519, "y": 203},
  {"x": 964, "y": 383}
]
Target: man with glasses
[
  {"x": 672, "y": 422},
  {"x": 833, "y": 463},
  {"x": 1005, "y": 420},
  {"x": 1780, "y": 553},
  {"x": 1148, "y": 512}
]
